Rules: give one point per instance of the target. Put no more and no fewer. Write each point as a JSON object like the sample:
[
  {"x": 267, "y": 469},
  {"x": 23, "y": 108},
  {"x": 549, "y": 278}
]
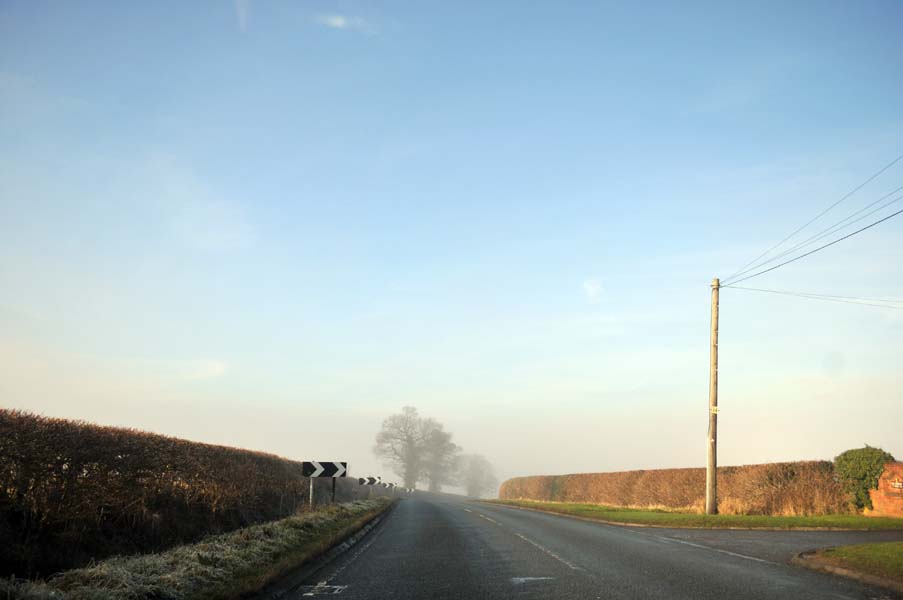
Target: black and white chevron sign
[
  {"x": 324, "y": 469},
  {"x": 368, "y": 480}
]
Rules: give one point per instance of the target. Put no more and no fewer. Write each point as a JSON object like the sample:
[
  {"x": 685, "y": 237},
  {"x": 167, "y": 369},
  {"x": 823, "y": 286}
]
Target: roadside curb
[
  {"x": 655, "y": 526},
  {"x": 342, "y": 542},
  {"x": 810, "y": 560}
]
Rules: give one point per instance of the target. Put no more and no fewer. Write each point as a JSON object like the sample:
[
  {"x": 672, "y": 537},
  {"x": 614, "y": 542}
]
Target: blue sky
[{"x": 271, "y": 224}]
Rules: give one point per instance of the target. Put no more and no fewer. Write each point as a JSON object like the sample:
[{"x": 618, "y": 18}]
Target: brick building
[{"x": 887, "y": 500}]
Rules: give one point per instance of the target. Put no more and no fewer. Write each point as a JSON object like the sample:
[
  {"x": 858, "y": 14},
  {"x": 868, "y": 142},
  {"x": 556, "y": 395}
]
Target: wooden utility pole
[{"x": 711, "y": 474}]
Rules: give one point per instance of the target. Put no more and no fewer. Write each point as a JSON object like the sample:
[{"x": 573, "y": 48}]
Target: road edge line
[
  {"x": 809, "y": 560},
  {"x": 338, "y": 545}
]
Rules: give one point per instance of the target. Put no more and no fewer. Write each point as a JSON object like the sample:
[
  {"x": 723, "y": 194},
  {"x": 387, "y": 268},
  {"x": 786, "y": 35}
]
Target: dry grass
[
  {"x": 220, "y": 567},
  {"x": 788, "y": 489}
]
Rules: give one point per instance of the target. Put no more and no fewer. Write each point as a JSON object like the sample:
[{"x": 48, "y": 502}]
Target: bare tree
[
  {"x": 401, "y": 441},
  {"x": 416, "y": 447},
  {"x": 477, "y": 475},
  {"x": 440, "y": 458}
]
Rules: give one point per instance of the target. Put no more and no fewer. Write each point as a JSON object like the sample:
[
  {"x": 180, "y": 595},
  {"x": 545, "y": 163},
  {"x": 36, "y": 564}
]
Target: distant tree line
[{"x": 419, "y": 449}]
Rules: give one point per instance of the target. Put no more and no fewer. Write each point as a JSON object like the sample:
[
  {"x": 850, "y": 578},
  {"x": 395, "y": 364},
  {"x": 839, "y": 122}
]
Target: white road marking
[
  {"x": 667, "y": 539},
  {"x": 520, "y": 580},
  {"x": 482, "y": 516},
  {"x": 549, "y": 552},
  {"x": 686, "y": 543},
  {"x": 361, "y": 550},
  {"x": 321, "y": 589},
  {"x": 728, "y": 552},
  {"x": 468, "y": 510}
]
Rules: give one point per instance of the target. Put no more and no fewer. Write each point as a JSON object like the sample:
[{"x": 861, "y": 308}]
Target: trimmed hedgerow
[
  {"x": 72, "y": 492},
  {"x": 795, "y": 488}
]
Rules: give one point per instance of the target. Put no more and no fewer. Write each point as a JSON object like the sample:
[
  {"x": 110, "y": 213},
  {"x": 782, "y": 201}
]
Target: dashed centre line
[
  {"x": 482, "y": 516},
  {"x": 549, "y": 552},
  {"x": 667, "y": 540},
  {"x": 531, "y": 542}
]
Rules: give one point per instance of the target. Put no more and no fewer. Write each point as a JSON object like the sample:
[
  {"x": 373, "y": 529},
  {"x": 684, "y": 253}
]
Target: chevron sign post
[
  {"x": 371, "y": 481},
  {"x": 324, "y": 469},
  {"x": 315, "y": 469}
]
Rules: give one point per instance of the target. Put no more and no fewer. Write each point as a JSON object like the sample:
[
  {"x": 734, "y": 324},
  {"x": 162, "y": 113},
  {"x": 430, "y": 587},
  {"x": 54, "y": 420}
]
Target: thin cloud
[
  {"x": 213, "y": 226},
  {"x": 593, "y": 290},
  {"x": 147, "y": 369},
  {"x": 199, "y": 216},
  {"x": 337, "y": 21},
  {"x": 242, "y": 12},
  {"x": 206, "y": 369}
]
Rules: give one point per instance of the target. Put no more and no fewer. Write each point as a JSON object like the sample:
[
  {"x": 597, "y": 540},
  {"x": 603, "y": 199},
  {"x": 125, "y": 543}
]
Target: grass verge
[
  {"x": 881, "y": 560},
  {"x": 217, "y": 568},
  {"x": 662, "y": 518},
  {"x": 878, "y": 564}
]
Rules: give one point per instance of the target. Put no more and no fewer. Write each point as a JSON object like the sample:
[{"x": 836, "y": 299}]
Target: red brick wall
[{"x": 887, "y": 500}]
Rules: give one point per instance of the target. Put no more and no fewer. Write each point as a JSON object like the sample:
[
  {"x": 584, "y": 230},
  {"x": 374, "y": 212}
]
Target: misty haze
[{"x": 451, "y": 300}]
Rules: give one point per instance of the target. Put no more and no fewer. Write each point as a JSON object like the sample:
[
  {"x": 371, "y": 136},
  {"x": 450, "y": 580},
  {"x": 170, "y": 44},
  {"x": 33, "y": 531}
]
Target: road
[{"x": 442, "y": 547}]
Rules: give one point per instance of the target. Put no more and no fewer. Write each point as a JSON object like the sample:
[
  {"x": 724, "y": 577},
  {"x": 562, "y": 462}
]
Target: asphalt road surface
[{"x": 443, "y": 547}]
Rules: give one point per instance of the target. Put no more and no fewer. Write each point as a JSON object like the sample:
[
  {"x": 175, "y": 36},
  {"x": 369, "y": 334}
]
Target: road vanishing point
[{"x": 442, "y": 546}]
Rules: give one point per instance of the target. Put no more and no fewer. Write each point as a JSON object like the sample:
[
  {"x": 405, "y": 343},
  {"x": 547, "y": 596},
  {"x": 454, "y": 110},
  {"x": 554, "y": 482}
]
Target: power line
[
  {"x": 888, "y": 303},
  {"x": 826, "y": 232},
  {"x": 813, "y": 294},
  {"x": 856, "y": 298},
  {"x": 787, "y": 262},
  {"x": 819, "y": 215},
  {"x": 711, "y": 497}
]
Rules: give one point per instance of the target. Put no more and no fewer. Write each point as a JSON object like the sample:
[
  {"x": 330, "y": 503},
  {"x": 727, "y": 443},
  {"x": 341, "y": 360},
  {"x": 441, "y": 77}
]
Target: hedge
[
  {"x": 72, "y": 492},
  {"x": 792, "y": 488}
]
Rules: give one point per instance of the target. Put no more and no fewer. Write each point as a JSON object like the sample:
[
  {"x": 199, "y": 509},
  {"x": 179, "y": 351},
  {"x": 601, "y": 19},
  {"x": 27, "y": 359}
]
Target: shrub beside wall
[
  {"x": 71, "y": 492},
  {"x": 793, "y": 488},
  {"x": 858, "y": 470}
]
